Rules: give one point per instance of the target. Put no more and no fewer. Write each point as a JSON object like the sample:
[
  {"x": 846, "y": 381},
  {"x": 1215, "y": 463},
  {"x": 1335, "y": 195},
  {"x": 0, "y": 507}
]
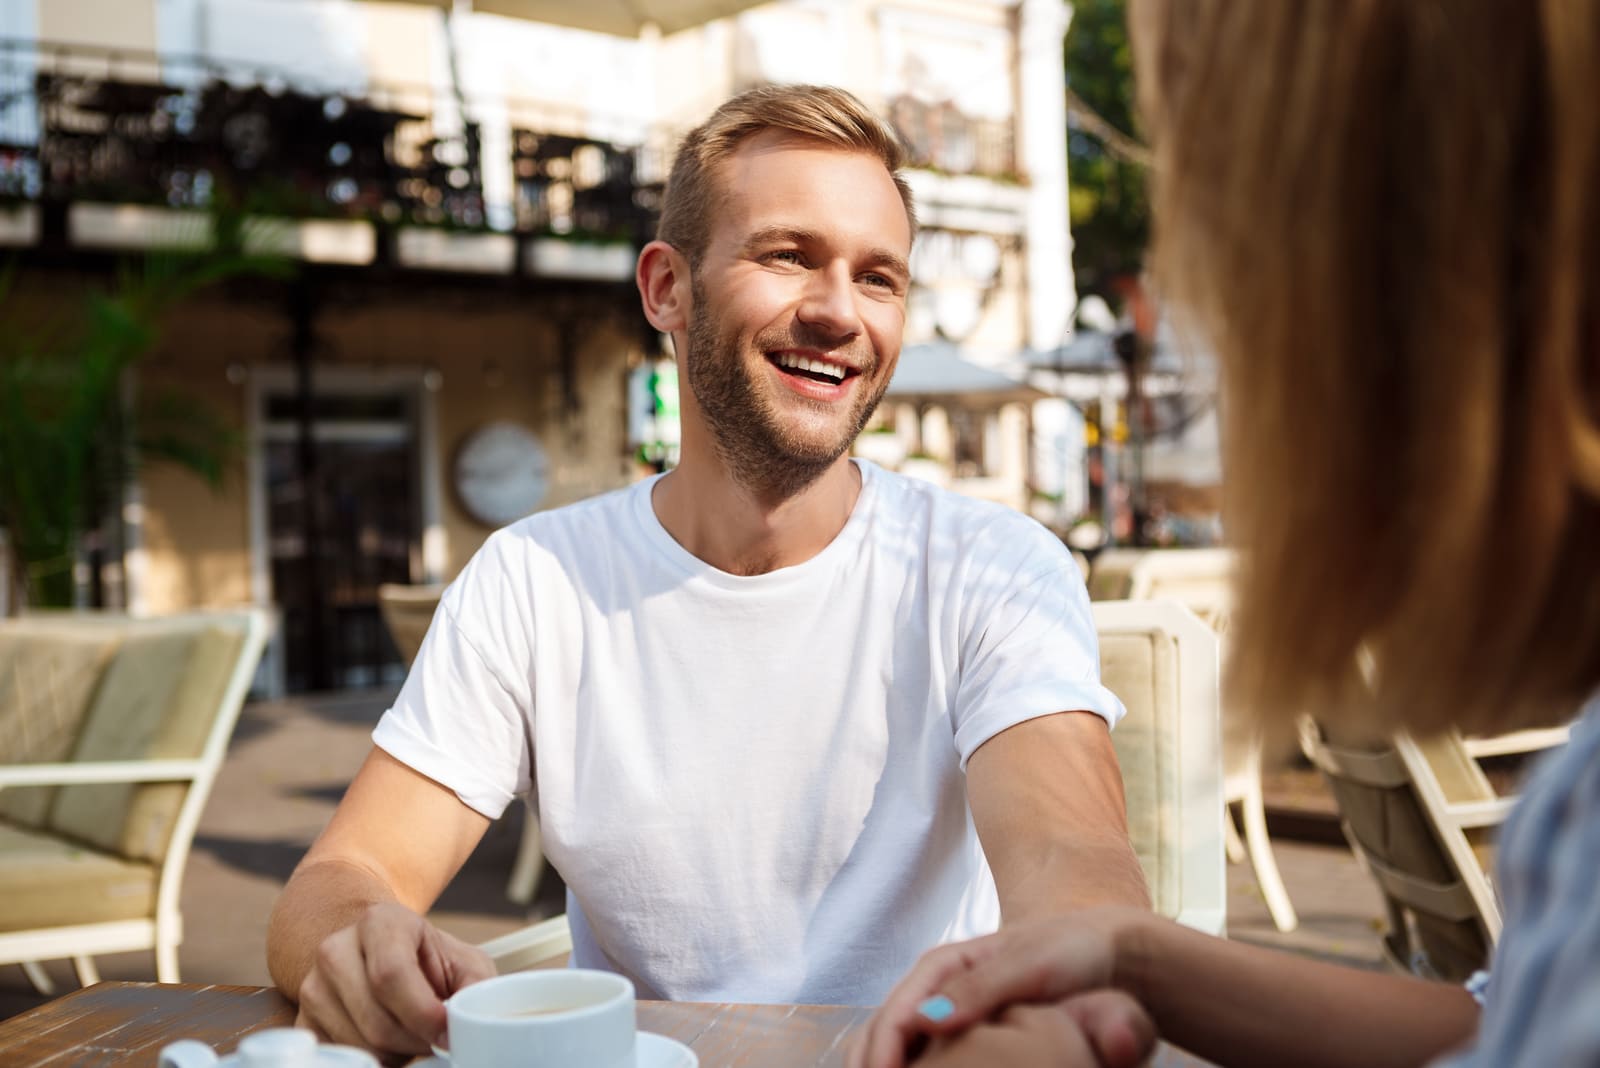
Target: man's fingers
[
  {"x": 1023, "y": 1035},
  {"x": 322, "y": 1013},
  {"x": 884, "y": 1041},
  {"x": 342, "y": 970},
  {"x": 449, "y": 964},
  {"x": 393, "y": 973},
  {"x": 1116, "y": 1025}
]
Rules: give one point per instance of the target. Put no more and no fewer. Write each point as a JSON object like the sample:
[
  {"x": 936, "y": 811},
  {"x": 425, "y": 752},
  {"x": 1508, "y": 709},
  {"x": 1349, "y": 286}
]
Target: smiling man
[{"x": 792, "y": 719}]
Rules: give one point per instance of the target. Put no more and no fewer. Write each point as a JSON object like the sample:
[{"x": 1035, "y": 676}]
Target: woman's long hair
[{"x": 1384, "y": 215}]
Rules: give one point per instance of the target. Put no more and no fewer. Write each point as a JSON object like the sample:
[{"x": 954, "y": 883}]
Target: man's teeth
[{"x": 801, "y": 363}]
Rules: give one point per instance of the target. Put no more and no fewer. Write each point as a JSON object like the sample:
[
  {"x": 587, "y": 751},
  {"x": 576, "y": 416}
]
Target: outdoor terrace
[{"x": 290, "y": 761}]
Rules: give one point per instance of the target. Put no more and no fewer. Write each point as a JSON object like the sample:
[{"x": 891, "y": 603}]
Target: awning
[
  {"x": 937, "y": 373},
  {"x": 1091, "y": 352},
  {"x": 625, "y": 18}
]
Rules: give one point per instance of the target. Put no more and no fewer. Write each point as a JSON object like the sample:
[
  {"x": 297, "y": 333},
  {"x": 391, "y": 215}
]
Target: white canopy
[{"x": 623, "y": 17}]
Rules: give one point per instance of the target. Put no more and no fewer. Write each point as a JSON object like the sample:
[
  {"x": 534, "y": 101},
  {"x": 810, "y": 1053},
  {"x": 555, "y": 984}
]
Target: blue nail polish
[{"x": 936, "y": 1008}]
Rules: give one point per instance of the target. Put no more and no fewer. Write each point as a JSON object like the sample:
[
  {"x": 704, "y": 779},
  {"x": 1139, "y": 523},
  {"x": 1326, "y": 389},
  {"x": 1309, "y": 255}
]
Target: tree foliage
[{"x": 1109, "y": 204}]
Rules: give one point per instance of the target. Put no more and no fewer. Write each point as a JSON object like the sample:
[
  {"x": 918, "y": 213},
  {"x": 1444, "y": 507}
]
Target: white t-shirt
[{"x": 753, "y": 787}]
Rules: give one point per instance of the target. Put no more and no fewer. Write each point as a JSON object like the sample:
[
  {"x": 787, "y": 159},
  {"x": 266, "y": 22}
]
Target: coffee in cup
[{"x": 544, "y": 1019}]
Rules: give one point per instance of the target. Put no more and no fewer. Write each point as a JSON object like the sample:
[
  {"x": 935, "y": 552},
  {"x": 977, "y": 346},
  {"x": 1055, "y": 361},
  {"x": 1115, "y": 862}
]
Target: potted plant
[{"x": 72, "y": 432}]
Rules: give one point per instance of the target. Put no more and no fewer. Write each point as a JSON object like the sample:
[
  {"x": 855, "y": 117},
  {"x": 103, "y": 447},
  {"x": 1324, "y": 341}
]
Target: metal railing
[
  {"x": 80, "y": 124},
  {"x": 942, "y": 138}
]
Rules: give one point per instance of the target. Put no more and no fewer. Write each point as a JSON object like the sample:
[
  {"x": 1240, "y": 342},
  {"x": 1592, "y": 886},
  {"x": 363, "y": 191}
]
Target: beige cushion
[
  {"x": 157, "y": 701},
  {"x": 153, "y": 808},
  {"x": 45, "y": 882},
  {"x": 1141, "y": 669},
  {"x": 47, "y": 678}
]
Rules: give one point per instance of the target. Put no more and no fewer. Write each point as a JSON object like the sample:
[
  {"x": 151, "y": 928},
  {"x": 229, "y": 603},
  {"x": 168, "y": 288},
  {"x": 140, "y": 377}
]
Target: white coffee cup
[{"x": 544, "y": 1019}]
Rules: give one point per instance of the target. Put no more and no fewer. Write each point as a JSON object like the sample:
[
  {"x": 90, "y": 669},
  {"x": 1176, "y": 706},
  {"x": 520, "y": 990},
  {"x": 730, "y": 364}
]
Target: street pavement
[{"x": 290, "y": 761}]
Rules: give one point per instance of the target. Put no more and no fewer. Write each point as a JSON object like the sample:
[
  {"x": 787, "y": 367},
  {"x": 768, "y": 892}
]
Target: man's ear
[{"x": 662, "y": 275}]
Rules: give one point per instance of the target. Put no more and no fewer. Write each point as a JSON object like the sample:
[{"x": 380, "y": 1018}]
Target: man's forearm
[
  {"x": 1090, "y": 870},
  {"x": 322, "y": 897},
  {"x": 1244, "y": 1006}
]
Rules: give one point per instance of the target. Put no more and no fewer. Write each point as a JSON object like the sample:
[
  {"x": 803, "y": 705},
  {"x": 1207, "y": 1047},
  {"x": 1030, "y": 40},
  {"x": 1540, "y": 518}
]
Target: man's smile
[{"x": 813, "y": 374}]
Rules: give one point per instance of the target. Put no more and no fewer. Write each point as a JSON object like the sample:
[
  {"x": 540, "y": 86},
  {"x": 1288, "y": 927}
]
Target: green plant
[
  {"x": 72, "y": 430},
  {"x": 1108, "y": 200}
]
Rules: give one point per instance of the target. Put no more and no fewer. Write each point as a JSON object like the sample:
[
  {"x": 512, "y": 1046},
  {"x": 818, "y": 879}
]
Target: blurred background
[{"x": 303, "y": 297}]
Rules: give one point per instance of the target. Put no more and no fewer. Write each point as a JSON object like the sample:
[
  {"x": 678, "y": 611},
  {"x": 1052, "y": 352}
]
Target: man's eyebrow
[
  {"x": 891, "y": 260},
  {"x": 799, "y": 235},
  {"x": 772, "y": 235}
]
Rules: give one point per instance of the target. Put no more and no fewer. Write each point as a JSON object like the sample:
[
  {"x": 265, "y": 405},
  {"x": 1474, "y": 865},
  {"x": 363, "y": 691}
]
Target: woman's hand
[
  {"x": 956, "y": 986},
  {"x": 1103, "y": 1029}
]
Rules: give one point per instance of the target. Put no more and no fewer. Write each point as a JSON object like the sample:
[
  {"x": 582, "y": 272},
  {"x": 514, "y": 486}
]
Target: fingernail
[{"x": 936, "y": 1008}]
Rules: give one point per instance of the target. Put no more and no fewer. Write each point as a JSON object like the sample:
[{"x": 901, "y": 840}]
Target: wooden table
[{"x": 128, "y": 1023}]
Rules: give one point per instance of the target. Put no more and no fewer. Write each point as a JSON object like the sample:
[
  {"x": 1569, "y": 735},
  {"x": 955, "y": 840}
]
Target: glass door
[{"x": 335, "y": 539}]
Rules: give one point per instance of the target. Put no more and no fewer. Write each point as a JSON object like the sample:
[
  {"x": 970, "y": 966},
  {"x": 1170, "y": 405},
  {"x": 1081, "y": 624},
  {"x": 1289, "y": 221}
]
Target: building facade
[{"x": 462, "y": 197}]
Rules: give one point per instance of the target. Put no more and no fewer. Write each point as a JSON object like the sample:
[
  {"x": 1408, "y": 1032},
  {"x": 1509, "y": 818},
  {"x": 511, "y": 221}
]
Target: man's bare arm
[
  {"x": 1047, "y": 800},
  {"x": 346, "y": 939}
]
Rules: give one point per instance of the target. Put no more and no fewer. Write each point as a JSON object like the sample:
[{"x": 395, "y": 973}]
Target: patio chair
[
  {"x": 407, "y": 612},
  {"x": 540, "y": 944},
  {"x": 1201, "y": 580},
  {"x": 1420, "y": 815},
  {"x": 1162, "y": 662},
  {"x": 1083, "y": 563},
  {"x": 115, "y": 731},
  {"x": 1111, "y": 573}
]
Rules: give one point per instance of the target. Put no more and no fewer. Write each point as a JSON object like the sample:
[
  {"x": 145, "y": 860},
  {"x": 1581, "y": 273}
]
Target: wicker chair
[
  {"x": 1421, "y": 815},
  {"x": 115, "y": 730}
]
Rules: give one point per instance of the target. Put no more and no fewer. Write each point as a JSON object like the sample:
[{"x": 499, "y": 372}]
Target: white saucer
[
  {"x": 649, "y": 1051},
  {"x": 659, "y": 1051}
]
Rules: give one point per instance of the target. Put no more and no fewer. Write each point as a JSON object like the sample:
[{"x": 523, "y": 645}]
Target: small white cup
[{"x": 544, "y": 1019}]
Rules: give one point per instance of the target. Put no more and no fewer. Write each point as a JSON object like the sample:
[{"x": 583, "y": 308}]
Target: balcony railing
[
  {"x": 941, "y": 138},
  {"x": 80, "y": 124}
]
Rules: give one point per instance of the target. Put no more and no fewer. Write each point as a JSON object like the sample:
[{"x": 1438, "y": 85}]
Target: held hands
[
  {"x": 985, "y": 990},
  {"x": 381, "y": 982},
  {"x": 1104, "y": 1029}
]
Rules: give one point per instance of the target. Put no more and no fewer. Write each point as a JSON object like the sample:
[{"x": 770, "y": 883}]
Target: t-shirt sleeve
[
  {"x": 464, "y": 716},
  {"x": 1028, "y": 644}
]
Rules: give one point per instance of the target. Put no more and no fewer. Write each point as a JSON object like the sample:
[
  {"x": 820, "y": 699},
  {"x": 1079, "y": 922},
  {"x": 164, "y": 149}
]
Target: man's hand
[
  {"x": 1104, "y": 1029},
  {"x": 381, "y": 982},
  {"x": 957, "y": 986}
]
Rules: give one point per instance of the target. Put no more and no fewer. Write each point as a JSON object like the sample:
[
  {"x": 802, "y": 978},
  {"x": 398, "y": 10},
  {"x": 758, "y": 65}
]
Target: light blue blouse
[{"x": 1542, "y": 1001}]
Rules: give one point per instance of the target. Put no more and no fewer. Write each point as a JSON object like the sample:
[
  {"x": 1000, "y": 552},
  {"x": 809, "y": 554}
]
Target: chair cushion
[
  {"x": 1141, "y": 669},
  {"x": 153, "y": 808},
  {"x": 47, "y": 882},
  {"x": 157, "y": 701},
  {"x": 47, "y": 680}
]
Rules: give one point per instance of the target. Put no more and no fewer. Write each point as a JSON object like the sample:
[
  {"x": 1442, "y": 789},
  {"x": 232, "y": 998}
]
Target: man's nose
[{"x": 829, "y": 302}]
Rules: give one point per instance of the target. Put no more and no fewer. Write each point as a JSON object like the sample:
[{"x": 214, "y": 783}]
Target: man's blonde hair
[
  {"x": 1385, "y": 216},
  {"x": 818, "y": 112}
]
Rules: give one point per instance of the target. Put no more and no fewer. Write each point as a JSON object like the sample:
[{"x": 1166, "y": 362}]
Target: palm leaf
[{"x": 68, "y": 444}]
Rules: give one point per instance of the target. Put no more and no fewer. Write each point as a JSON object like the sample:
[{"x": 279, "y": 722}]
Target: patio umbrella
[{"x": 626, "y": 18}]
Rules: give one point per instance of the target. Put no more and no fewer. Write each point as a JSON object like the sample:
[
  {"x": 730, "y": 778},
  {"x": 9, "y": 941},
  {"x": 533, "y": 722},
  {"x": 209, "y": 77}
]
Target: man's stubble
[{"x": 750, "y": 436}]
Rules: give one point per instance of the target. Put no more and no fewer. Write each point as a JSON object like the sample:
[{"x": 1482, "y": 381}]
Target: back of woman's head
[{"x": 1385, "y": 217}]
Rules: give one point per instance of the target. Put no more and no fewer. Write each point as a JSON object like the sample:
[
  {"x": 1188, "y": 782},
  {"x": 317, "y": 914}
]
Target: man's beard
[{"x": 761, "y": 453}]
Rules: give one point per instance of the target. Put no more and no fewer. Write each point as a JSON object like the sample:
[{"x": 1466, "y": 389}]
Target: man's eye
[
  {"x": 785, "y": 255},
  {"x": 878, "y": 280}
]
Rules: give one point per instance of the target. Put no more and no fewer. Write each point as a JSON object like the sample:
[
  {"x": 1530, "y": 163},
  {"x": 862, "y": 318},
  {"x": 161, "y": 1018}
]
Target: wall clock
[{"x": 501, "y": 473}]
